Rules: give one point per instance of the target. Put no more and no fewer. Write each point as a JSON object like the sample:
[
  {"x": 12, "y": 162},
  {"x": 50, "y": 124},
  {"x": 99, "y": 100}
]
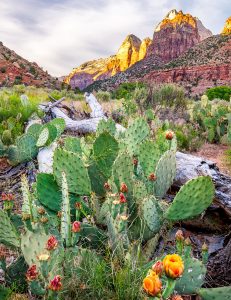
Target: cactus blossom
[
  {"x": 152, "y": 284},
  {"x": 169, "y": 135},
  {"x": 152, "y": 177},
  {"x": 204, "y": 247},
  {"x": 173, "y": 266},
  {"x": 76, "y": 226},
  {"x": 43, "y": 257},
  {"x": 7, "y": 197},
  {"x": 122, "y": 198},
  {"x": 55, "y": 284},
  {"x": 179, "y": 235},
  {"x": 123, "y": 188},
  {"x": 32, "y": 273},
  {"x": 52, "y": 243},
  {"x": 158, "y": 268}
]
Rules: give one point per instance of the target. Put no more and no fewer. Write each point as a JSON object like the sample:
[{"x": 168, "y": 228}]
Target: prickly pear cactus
[
  {"x": 48, "y": 192},
  {"x": 192, "y": 199},
  {"x": 165, "y": 173},
  {"x": 72, "y": 165},
  {"x": 221, "y": 293},
  {"x": 194, "y": 273},
  {"x": 48, "y": 134},
  {"x": 60, "y": 125},
  {"x": 28, "y": 207},
  {"x": 106, "y": 126},
  {"x": 149, "y": 155},
  {"x": 8, "y": 234},
  {"x": 135, "y": 134},
  {"x": 33, "y": 243},
  {"x": 72, "y": 144},
  {"x": 3, "y": 149},
  {"x": 34, "y": 130},
  {"x": 105, "y": 150},
  {"x": 7, "y": 137},
  {"x": 66, "y": 213}
]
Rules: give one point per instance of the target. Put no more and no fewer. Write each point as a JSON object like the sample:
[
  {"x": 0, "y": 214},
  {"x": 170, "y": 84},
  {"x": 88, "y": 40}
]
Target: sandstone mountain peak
[
  {"x": 204, "y": 33},
  {"x": 227, "y": 27},
  {"x": 131, "y": 51}
]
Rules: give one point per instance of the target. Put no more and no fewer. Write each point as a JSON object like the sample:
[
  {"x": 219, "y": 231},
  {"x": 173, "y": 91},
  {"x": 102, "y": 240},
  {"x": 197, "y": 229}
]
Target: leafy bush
[
  {"x": 219, "y": 92},
  {"x": 125, "y": 90},
  {"x": 167, "y": 95},
  {"x": 103, "y": 96}
]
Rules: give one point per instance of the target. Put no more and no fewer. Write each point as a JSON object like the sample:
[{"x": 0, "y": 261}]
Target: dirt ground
[{"x": 215, "y": 153}]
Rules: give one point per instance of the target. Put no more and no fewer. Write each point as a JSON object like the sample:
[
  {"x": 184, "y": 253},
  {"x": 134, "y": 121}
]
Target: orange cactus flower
[
  {"x": 32, "y": 273},
  {"x": 52, "y": 243},
  {"x": 176, "y": 297},
  {"x": 152, "y": 284},
  {"x": 76, "y": 226},
  {"x": 158, "y": 267},
  {"x": 55, "y": 284},
  {"x": 173, "y": 265}
]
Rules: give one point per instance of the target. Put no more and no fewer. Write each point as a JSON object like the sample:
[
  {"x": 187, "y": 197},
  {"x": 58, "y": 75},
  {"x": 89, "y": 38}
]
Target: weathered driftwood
[{"x": 81, "y": 126}]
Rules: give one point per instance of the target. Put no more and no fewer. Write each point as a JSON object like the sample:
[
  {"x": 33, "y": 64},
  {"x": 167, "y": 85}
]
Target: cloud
[{"x": 60, "y": 35}]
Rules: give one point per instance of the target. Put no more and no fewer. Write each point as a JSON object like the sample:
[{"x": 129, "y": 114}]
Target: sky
[{"x": 62, "y": 34}]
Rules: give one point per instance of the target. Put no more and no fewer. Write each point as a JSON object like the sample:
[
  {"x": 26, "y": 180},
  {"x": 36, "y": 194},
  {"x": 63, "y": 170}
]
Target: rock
[
  {"x": 131, "y": 51},
  {"x": 227, "y": 27},
  {"x": 204, "y": 33}
]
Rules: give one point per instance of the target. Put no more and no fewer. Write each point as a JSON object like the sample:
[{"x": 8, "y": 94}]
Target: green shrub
[
  {"x": 103, "y": 96},
  {"x": 125, "y": 90},
  {"x": 167, "y": 95},
  {"x": 219, "y": 92}
]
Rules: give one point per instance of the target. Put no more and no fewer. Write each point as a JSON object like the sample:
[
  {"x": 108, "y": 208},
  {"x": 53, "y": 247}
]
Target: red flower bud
[
  {"x": 135, "y": 162},
  {"x": 152, "y": 177},
  {"x": 122, "y": 198},
  {"x": 124, "y": 188},
  {"x": 169, "y": 135},
  {"x": 158, "y": 268},
  {"x": 32, "y": 273},
  {"x": 55, "y": 284},
  {"x": 52, "y": 243},
  {"x": 107, "y": 186},
  {"x": 76, "y": 226},
  {"x": 78, "y": 205},
  {"x": 179, "y": 235}
]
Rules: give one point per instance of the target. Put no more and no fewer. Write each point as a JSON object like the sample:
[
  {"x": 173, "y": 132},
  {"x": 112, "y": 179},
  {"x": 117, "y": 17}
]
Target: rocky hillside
[
  {"x": 16, "y": 70},
  {"x": 131, "y": 51},
  {"x": 175, "y": 34},
  {"x": 227, "y": 27},
  {"x": 204, "y": 65}
]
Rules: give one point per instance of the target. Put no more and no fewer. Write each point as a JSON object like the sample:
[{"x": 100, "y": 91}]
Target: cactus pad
[
  {"x": 72, "y": 165},
  {"x": 33, "y": 243},
  {"x": 192, "y": 278},
  {"x": 105, "y": 150},
  {"x": 60, "y": 125},
  {"x": 192, "y": 199},
  {"x": 72, "y": 144},
  {"x": 165, "y": 173},
  {"x": 148, "y": 157},
  {"x": 8, "y": 234},
  {"x": 34, "y": 130},
  {"x": 106, "y": 125},
  {"x": 135, "y": 134},
  {"x": 220, "y": 293}
]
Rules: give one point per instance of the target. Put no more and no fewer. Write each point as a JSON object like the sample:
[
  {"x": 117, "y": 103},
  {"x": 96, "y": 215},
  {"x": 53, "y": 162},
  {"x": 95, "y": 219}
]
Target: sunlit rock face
[
  {"x": 227, "y": 27},
  {"x": 131, "y": 51},
  {"x": 175, "y": 34},
  {"x": 204, "y": 33}
]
